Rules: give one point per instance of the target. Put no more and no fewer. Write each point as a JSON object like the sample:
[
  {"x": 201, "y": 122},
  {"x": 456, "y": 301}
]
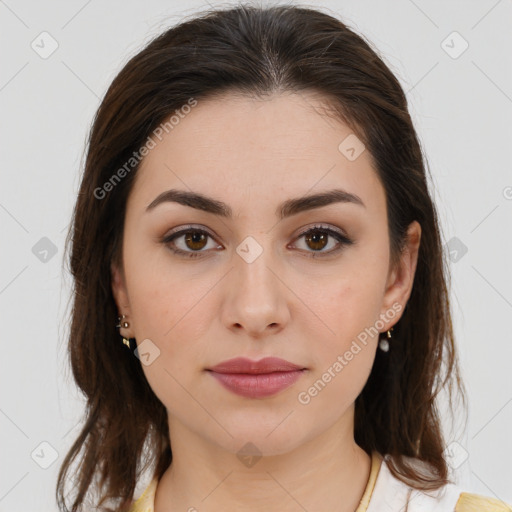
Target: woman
[{"x": 254, "y": 220}]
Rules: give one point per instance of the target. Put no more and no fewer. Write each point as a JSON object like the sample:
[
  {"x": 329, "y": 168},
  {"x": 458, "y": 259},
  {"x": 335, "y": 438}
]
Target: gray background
[{"x": 461, "y": 102}]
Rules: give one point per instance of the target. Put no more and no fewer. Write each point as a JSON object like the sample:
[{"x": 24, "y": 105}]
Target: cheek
[
  {"x": 343, "y": 356},
  {"x": 332, "y": 391},
  {"x": 348, "y": 308},
  {"x": 174, "y": 313},
  {"x": 174, "y": 310},
  {"x": 347, "y": 305},
  {"x": 159, "y": 296}
]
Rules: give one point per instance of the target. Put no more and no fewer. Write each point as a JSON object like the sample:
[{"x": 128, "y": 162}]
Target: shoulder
[
  {"x": 391, "y": 494},
  {"x": 469, "y": 502}
]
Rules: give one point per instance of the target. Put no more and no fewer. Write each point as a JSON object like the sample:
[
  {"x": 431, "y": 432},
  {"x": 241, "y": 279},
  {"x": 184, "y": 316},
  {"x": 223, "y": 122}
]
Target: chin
[{"x": 260, "y": 441}]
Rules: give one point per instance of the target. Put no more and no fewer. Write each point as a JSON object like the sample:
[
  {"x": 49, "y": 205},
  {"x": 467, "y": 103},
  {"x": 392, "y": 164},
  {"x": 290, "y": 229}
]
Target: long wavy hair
[{"x": 254, "y": 51}]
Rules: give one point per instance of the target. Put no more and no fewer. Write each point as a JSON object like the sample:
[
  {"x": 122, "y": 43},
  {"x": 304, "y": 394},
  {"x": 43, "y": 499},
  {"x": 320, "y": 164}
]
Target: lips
[
  {"x": 265, "y": 365},
  {"x": 256, "y": 379}
]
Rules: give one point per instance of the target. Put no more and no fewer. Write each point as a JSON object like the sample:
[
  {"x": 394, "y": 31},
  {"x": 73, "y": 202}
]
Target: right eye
[{"x": 193, "y": 241}]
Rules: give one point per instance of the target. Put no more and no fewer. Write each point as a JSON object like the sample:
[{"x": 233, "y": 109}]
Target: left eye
[{"x": 317, "y": 238}]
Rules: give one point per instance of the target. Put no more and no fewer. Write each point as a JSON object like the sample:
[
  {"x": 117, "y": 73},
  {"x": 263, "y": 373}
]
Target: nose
[{"x": 256, "y": 300}]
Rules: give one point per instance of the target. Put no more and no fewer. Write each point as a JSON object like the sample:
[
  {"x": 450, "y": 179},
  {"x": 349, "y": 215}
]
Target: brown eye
[
  {"x": 316, "y": 240},
  {"x": 193, "y": 243},
  {"x": 195, "y": 240},
  {"x": 190, "y": 242}
]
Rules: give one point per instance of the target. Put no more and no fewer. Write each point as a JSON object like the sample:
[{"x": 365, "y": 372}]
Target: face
[{"x": 304, "y": 283}]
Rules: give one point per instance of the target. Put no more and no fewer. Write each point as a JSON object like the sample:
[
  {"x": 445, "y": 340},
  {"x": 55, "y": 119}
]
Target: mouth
[
  {"x": 265, "y": 365},
  {"x": 256, "y": 379}
]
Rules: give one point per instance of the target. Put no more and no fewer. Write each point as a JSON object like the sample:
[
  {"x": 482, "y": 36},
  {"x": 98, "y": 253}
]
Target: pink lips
[{"x": 256, "y": 379}]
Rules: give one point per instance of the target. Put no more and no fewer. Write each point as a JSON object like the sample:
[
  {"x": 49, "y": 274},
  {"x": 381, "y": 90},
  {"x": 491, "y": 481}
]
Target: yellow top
[
  {"x": 374, "y": 471},
  {"x": 467, "y": 502}
]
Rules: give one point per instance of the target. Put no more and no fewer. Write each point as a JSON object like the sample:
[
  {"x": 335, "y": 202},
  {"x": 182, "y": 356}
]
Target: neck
[{"x": 326, "y": 473}]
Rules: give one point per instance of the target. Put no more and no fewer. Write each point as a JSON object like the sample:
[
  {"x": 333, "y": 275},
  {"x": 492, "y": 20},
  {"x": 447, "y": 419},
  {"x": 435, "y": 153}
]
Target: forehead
[{"x": 235, "y": 147}]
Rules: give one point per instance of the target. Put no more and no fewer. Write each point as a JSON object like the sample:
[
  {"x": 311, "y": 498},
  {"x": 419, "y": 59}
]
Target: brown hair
[{"x": 253, "y": 51}]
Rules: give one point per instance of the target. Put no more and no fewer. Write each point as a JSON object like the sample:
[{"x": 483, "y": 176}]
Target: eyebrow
[{"x": 286, "y": 209}]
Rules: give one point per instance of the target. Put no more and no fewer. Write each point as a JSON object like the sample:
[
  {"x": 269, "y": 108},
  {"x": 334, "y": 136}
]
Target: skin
[{"x": 253, "y": 155}]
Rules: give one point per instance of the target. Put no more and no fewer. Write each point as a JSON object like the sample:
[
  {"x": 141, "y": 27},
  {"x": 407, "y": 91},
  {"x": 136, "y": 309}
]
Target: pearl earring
[{"x": 384, "y": 343}]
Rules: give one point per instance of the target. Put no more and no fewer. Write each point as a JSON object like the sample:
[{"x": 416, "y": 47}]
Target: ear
[
  {"x": 401, "y": 277},
  {"x": 120, "y": 294}
]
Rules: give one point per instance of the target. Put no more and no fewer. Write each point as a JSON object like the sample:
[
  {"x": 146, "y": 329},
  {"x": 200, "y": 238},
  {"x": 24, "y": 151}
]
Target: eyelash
[{"x": 342, "y": 239}]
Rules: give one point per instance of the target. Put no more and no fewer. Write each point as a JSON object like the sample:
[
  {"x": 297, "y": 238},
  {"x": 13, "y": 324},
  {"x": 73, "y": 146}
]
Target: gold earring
[{"x": 129, "y": 342}]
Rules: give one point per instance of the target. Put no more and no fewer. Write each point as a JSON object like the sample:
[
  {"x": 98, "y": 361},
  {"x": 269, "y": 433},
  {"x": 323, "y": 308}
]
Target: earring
[
  {"x": 384, "y": 343},
  {"x": 124, "y": 324},
  {"x": 129, "y": 342}
]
